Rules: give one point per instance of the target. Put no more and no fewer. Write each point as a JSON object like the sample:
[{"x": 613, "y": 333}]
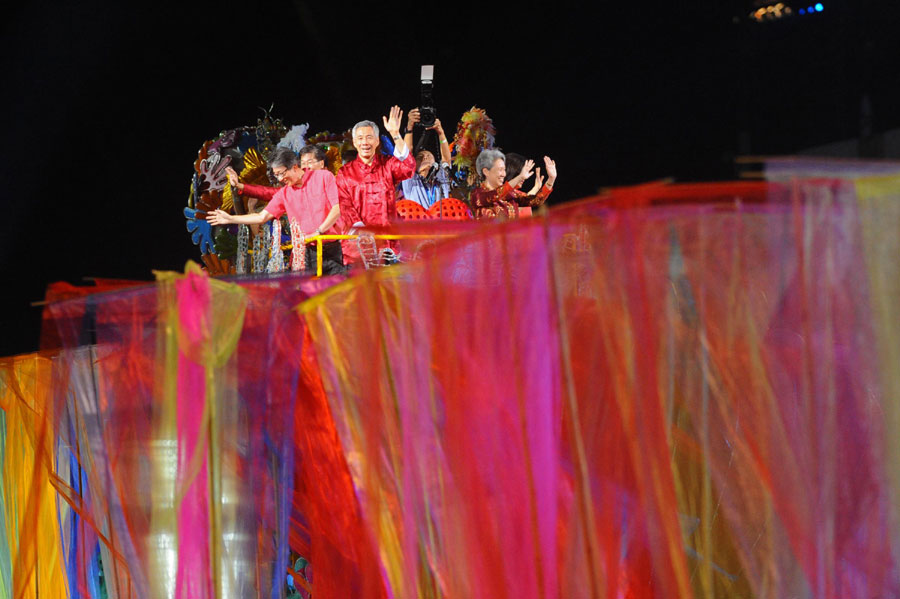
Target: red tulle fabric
[{"x": 665, "y": 391}]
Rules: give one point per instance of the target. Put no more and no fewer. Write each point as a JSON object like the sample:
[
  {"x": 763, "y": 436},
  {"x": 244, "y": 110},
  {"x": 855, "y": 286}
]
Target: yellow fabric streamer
[
  {"x": 29, "y": 499},
  {"x": 879, "y": 203}
]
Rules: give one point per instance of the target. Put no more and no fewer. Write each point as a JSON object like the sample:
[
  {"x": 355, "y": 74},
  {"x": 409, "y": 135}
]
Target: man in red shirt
[
  {"x": 366, "y": 186},
  {"x": 309, "y": 197}
]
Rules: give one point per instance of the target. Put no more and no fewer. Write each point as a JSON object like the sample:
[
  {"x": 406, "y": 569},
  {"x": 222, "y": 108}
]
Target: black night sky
[{"x": 106, "y": 104}]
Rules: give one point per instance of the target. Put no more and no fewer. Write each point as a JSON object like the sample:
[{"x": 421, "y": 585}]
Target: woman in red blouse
[{"x": 496, "y": 199}]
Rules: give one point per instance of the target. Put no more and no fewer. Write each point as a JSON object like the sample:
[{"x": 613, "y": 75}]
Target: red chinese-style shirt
[
  {"x": 504, "y": 201},
  {"x": 367, "y": 191}
]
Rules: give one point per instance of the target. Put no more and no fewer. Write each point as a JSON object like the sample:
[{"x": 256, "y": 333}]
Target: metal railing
[{"x": 320, "y": 239}]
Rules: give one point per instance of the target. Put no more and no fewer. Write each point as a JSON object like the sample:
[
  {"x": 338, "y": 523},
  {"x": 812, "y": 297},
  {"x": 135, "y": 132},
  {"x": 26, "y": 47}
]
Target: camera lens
[
  {"x": 427, "y": 116},
  {"x": 426, "y": 106}
]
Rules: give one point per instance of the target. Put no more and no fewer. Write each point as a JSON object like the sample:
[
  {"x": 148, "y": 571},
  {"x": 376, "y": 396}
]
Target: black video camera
[{"x": 427, "y": 113}]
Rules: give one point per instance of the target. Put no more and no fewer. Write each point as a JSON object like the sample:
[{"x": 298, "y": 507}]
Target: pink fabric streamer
[{"x": 192, "y": 483}]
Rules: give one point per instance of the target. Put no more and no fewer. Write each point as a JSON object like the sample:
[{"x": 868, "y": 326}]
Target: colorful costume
[{"x": 504, "y": 201}]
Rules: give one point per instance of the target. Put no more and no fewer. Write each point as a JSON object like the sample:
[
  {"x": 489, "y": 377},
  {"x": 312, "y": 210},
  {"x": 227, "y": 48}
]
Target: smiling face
[
  {"x": 309, "y": 162},
  {"x": 288, "y": 176},
  {"x": 366, "y": 143},
  {"x": 493, "y": 177}
]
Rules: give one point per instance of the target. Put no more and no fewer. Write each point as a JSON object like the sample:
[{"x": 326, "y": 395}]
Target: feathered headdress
[
  {"x": 474, "y": 133},
  {"x": 295, "y": 138}
]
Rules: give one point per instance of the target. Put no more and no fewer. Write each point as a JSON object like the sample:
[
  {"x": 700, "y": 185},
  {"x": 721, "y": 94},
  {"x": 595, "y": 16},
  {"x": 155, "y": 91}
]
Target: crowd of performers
[{"x": 367, "y": 188}]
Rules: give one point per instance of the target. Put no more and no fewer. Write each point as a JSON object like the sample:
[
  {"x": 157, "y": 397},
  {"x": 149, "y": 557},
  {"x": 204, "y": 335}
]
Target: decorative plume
[
  {"x": 474, "y": 133},
  {"x": 295, "y": 138}
]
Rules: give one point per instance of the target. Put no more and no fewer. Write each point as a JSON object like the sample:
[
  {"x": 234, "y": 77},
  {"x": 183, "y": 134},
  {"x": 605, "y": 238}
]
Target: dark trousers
[{"x": 332, "y": 258}]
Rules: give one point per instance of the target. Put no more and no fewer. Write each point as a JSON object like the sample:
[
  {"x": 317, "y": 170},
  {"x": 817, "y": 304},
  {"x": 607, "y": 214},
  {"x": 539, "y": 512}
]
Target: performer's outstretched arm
[{"x": 220, "y": 217}]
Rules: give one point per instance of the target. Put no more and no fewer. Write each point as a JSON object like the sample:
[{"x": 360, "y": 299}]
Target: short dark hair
[
  {"x": 313, "y": 149},
  {"x": 283, "y": 157},
  {"x": 514, "y": 164}
]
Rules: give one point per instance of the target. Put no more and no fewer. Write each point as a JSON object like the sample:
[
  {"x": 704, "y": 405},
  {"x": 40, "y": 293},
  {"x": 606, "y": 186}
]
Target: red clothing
[
  {"x": 309, "y": 204},
  {"x": 260, "y": 192},
  {"x": 504, "y": 201},
  {"x": 366, "y": 192}
]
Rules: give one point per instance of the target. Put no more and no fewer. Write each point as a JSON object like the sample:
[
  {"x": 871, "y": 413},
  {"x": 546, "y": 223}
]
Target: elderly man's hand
[{"x": 392, "y": 123}]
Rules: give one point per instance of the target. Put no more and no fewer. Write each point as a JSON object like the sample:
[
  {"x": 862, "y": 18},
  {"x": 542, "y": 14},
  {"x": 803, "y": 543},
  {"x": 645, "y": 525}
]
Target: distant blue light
[
  {"x": 810, "y": 10},
  {"x": 819, "y": 7},
  {"x": 802, "y": 11}
]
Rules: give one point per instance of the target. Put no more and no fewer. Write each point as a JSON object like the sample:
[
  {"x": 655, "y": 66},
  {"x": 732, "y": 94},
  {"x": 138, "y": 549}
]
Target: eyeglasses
[
  {"x": 280, "y": 174},
  {"x": 309, "y": 163}
]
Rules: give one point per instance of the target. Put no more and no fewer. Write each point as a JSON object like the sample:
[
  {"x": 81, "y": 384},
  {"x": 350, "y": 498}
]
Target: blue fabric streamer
[{"x": 95, "y": 571}]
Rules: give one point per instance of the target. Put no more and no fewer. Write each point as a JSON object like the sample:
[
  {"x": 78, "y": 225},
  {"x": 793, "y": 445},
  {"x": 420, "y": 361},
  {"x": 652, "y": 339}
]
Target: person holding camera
[
  {"x": 498, "y": 197},
  {"x": 431, "y": 181}
]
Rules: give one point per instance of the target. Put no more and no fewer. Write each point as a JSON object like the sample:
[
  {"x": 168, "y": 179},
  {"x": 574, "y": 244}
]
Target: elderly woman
[{"x": 495, "y": 198}]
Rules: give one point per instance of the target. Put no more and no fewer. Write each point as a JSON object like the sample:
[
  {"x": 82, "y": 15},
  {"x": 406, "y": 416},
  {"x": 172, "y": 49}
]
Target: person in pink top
[
  {"x": 312, "y": 158},
  {"x": 310, "y": 199}
]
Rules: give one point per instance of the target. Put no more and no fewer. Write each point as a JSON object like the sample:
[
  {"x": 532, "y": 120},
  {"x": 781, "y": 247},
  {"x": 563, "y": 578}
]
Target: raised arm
[
  {"x": 411, "y": 119},
  {"x": 261, "y": 192},
  {"x": 551, "y": 171},
  {"x": 517, "y": 181},
  {"x": 538, "y": 196},
  {"x": 233, "y": 179},
  {"x": 538, "y": 182},
  {"x": 442, "y": 137},
  {"x": 392, "y": 126},
  {"x": 401, "y": 169}
]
